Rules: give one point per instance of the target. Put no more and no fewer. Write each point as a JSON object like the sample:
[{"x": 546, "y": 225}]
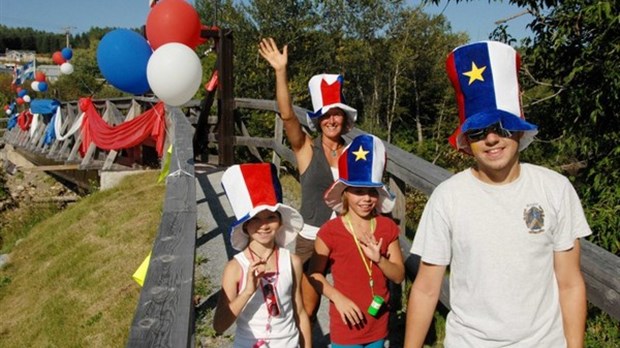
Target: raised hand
[
  {"x": 255, "y": 273},
  {"x": 269, "y": 50},
  {"x": 372, "y": 248}
]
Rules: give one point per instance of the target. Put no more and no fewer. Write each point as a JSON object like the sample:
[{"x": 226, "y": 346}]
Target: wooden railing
[{"x": 165, "y": 313}]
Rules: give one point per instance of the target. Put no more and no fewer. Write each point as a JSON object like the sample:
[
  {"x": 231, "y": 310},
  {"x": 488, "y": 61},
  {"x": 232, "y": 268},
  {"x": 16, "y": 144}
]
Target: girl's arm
[
  {"x": 229, "y": 302},
  {"x": 301, "y": 317},
  {"x": 392, "y": 265},
  {"x": 349, "y": 311}
]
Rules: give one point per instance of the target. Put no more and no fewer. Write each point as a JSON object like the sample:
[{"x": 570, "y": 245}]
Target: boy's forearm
[{"x": 574, "y": 310}]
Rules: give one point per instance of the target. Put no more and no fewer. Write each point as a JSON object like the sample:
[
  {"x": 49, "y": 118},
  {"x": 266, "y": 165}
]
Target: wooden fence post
[{"x": 227, "y": 102}]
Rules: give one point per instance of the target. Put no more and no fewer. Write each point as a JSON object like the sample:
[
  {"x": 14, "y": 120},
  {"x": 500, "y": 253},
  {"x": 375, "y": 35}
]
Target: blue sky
[
  {"x": 478, "y": 17},
  {"x": 475, "y": 17}
]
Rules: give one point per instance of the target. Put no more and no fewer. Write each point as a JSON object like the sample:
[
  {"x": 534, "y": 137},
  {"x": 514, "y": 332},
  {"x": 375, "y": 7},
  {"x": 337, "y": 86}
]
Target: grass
[
  {"x": 16, "y": 224},
  {"x": 68, "y": 283}
]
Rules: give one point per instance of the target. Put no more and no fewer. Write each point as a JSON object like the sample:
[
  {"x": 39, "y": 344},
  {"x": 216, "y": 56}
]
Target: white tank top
[{"x": 253, "y": 322}]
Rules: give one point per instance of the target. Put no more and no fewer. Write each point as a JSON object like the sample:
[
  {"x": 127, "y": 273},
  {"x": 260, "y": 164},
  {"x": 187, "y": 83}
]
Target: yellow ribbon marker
[
  {"x": 165, "y": 167},
  {"x": 140, "y": 274}
]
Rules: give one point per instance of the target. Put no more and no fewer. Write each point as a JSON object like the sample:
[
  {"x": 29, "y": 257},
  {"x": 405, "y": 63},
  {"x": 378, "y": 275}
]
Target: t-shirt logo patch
[{"x": 534, "y": 217}]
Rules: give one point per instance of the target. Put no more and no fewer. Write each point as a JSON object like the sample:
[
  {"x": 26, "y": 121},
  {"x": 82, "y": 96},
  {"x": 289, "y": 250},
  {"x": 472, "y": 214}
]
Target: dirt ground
[{"x": 28, "y": 186}]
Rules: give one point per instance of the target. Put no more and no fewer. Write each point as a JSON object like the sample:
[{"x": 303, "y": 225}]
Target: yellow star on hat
[
  {"x": 475, "y": 73},
  {"x": 360, "y": 154}
]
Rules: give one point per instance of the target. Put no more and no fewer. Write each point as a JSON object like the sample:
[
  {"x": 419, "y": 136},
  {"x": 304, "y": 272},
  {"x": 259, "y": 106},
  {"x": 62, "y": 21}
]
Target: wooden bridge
[{"x": 165, "y": 313}]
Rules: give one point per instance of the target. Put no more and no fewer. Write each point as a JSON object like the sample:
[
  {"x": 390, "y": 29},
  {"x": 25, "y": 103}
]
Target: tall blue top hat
[
  {"x": 361, "y": 164},
  {"x": 485, "y": 79},
  {"x": 326, "y": 94},
  {"x": 252, "y": 188}
]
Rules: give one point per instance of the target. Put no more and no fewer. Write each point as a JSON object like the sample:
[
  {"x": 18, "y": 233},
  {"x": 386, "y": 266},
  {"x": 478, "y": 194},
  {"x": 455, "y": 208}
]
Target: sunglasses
[
  {"x": 480, "y": 134},
  {"x": 270, "y": 300}
]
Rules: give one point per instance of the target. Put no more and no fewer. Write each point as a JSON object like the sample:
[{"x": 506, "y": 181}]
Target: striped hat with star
[
  {"x": 361, "y": 164},
  {"x": 485, "y": 79}
]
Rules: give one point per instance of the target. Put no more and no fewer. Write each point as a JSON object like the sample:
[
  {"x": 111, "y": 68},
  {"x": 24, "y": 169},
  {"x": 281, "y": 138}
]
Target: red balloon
[
  {"x": 173, "y": 21},
  {"x": 19, "y": 101},
  {"x": 39, "y": 76},
  {"x": 58, "y": 58}
]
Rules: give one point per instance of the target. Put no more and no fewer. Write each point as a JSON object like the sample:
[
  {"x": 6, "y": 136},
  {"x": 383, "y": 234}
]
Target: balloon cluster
[
  {"x": 62, "y": 58},
  {"x": 40, "y": 82},
  {"x": 22, "y": 96},
  {"x": 8, "y": 109},
  {"x": 166, "y": 64}
]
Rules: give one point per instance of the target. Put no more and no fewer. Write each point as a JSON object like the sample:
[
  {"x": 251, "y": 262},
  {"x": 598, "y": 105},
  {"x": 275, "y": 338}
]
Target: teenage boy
[{"x": 508, "y": 230}]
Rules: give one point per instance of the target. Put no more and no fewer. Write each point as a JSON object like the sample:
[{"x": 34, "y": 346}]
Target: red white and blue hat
[
  {"x": 485, "y": 78},
  {"x": 361, "y": 164},
  {"x": 326, "y": 94},
  {"x": 252, "y": 188}
]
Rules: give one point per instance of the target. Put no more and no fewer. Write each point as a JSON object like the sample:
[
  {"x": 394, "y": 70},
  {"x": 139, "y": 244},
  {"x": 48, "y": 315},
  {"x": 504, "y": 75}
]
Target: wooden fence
[{"x": 165, "y": 313}]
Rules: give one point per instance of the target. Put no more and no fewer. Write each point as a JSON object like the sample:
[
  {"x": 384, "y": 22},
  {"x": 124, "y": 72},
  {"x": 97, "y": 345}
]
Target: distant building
[
  {"x": 14, "y": 56},
  {"x": 52, "y": 72}
]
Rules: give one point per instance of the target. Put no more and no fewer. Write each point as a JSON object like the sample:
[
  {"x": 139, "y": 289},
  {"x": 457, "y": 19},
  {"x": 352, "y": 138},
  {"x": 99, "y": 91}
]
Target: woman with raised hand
[{"x": 317, "y": 159}]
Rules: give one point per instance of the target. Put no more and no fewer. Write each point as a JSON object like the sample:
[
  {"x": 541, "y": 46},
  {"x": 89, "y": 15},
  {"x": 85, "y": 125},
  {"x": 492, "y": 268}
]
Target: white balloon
[
  {"x": 35, "y": 86},
  {"x": 26, "y": 98},
  {"x": 8, "y": 111},
  {"x": 174, "y": 73},
  {"x": 66, "y": 68}
]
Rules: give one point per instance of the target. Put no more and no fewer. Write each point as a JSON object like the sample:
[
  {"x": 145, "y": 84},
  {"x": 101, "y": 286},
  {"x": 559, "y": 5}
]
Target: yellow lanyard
[{"x": 368, "y": 265}]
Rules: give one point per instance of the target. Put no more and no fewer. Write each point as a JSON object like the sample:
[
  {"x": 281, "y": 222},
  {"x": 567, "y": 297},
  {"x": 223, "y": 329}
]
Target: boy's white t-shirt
[{"x": 499, "y": 241}]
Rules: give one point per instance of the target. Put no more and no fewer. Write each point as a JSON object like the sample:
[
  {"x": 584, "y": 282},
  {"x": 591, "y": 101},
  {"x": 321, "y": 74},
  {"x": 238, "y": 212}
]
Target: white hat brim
[
  {"x": 292, "y": 223},
  {"x": 313, "y": 118},
  {"x": 333, "y": 195}
]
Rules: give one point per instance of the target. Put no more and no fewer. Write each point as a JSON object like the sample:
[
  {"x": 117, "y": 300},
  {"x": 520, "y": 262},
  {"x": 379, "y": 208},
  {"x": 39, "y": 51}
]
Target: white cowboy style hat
[{"x": 252, "y": 188}]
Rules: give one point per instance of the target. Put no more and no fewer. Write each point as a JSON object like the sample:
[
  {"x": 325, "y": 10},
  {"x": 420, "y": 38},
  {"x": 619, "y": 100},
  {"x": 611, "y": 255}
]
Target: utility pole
[{"x": 67, "y": 31}]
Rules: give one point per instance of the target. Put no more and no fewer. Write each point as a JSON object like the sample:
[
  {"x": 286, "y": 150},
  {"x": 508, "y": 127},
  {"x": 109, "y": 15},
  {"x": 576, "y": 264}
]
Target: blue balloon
[
  {"x": 122, "y": 56},
  {"x": 67, "y": 53},
  {"x": 22, "y": 93},
  {"x": 42, "y": 86}
]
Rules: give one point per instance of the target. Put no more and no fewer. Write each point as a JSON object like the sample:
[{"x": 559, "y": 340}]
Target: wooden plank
[
  {"x": 399, "y": 213},
  {"x": 278, "y": 138},
  {"x": 63, "y": 127},
  {"x": 227, "y": 102},
  {"x": 134, "y": 111},
  {"x": 49, "y": 168},
  {"x": 37, "y": 135},
  {"x": 253, "y": 149},
  {"x": 92, "y": 148},
  {"x": 601, "y": 270},
  {"x": 165, "y": 313}
]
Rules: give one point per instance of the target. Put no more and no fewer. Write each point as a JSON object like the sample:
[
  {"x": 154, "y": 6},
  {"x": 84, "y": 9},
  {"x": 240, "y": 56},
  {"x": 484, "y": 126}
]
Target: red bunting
[
  {"x": 24, "y": 120},
  {"x": 125, "y": 135}
]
